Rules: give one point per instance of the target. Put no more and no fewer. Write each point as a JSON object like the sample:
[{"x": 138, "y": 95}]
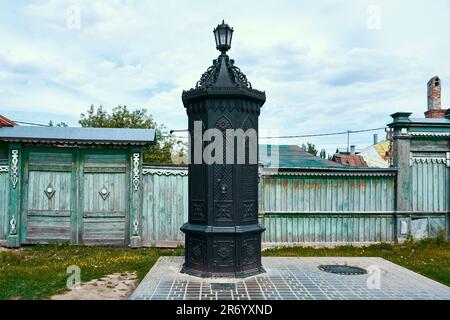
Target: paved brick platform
[{"x": 293, "y": 279}]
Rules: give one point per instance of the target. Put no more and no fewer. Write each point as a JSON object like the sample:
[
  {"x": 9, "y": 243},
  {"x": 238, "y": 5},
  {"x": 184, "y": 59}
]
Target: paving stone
[{"x": 290, "y": 278}]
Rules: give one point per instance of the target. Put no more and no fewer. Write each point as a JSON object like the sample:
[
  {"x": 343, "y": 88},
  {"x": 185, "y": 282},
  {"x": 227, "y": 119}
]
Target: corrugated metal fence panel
[
  {"x": 3, "y": 205},
  {"x": 430, "y": 186},
  {"x": 333, "y": 194},
  {"x": 165, "y": 208},
  {"x": 327, "y": 228}
]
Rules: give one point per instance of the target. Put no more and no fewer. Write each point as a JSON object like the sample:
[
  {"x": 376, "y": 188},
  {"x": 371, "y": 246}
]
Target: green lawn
[{"x": 40, "y": 271}]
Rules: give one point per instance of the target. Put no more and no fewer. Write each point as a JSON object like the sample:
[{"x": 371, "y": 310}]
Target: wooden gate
[
  {"x": 50, "y": 197},
  {"x": 104, "y": 199},
  {"x": 75, "y": 196}
]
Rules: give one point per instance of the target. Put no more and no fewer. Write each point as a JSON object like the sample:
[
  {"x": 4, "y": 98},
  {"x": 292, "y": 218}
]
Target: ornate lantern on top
[
  {"x": 223, "y": 35},
  {"x": 223, "y": 236}
]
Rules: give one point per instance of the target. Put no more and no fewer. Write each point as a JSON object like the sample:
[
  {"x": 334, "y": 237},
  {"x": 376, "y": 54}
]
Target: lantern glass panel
[
  {"x": 222, "y": 35},
  {"x": 216, "y": 36},
  {"x": 230, "y": 35}
]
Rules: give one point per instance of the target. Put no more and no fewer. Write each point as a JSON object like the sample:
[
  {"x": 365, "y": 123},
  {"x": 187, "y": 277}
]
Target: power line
[
  {"x": 323, "y": 134},
  {"x": 32, "y": 123},
  {"x": 347, "y": 132},
  {"x": 306, "y": 135}
]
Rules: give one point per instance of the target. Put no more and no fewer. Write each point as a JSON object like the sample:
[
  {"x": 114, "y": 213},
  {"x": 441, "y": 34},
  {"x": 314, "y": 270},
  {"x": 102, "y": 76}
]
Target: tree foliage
[
  {"x": 310, "y": 148},
  {"x": 60, "y": 124},
  {"x": 323, "y": 154},
  {"x": 122, "y": 117}
]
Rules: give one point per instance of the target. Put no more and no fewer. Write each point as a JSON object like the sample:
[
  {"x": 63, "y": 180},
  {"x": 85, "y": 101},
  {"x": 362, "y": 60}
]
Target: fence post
[
  {"x": 15, "y": 195},
  {"x": 136, "y": 203}
]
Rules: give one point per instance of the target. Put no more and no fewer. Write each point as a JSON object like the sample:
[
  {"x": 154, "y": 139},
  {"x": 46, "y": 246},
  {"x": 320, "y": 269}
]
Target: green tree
[
  {"x": 60, "y": 124},
  {"x": 310, "y": 148},
  {"x": 121, "y": 117},
  {"x": 323, "y": 154}
]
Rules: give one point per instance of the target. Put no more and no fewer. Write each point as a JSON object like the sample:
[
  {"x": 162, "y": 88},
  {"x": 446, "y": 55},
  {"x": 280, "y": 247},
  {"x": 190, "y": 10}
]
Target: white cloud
[{"x": 320, "y": 66}]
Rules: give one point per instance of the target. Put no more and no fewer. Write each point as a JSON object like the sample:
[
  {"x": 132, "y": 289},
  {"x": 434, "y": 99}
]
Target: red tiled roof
[
  {"x": 350, "y": 160},
  {"x": 5, "y": 122}
]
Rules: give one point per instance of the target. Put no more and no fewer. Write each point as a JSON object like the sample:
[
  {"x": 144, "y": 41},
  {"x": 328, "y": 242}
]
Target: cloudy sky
[{"x": 326, "y": 66}]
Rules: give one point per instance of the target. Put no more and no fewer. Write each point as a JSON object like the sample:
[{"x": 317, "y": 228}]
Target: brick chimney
[{"x": 434, "y": 99}]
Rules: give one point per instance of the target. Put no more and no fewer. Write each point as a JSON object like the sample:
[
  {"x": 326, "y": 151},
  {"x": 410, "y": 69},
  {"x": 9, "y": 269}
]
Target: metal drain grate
[
  {"x": 341, "y": 269},
  {"x": 222, "y": 286}
]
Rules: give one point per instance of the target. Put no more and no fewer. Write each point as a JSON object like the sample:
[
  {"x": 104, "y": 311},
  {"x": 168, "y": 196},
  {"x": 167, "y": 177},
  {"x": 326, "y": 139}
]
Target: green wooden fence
[
  {"x": 300, "y": 206},
  {"x": 328, "y": 206},
  {"x": 165, "y": 207},
  {"x": 430, "y": 195},
  {"x": 430, "y": 185},
  {"x": 330, "y": 227}
]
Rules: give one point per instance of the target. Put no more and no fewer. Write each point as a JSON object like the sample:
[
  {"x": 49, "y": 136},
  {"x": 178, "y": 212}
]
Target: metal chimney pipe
[
  {"x": 375, "y": 138},
  {"x": 352, "y": 150}
]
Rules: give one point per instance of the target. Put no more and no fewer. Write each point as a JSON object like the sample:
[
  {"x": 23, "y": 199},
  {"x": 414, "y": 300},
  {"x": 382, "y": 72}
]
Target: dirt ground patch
[{"x": 117, "y": 286}]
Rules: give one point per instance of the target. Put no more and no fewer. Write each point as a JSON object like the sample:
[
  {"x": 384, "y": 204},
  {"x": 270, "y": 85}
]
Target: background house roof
[
  {"x": 377, "y": 155},
  {"x": 291, "y": 156},
  {"x": 5, "y": 122},
  {"x": 431, "y": 120},
  {"x": 68, "y": 135},
  {"x": 352, "y": 160}
]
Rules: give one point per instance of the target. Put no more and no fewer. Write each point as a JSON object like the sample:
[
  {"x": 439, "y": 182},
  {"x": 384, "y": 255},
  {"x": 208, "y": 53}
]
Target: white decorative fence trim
[
  {"x": 136, "y": 179},
  {"x": 4, "y": 169},
  {"x": 14, "y": 167},
  {"x": 330, "y": 174},
  {"x": 166, "y": 172},
  {"x": 428, "y": 160},
  {"x": 430, "y": 134},
  {"x": 179, "y": 171}
]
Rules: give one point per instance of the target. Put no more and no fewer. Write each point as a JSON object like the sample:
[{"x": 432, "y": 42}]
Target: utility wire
[
  {"x": 267, "y": 137},
  {"x": 32, "y": 123},
  {"x": 304, "y": 135},
  {"x": 323, "y": 134}
]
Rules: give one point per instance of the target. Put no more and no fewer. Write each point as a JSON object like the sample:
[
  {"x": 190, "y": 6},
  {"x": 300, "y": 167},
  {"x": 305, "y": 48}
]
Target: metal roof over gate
[{"x": 74, "y": 135}]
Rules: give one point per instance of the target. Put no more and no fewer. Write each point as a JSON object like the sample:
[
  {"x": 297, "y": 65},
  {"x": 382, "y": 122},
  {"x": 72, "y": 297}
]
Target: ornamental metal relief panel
[
  {"x": 197, "y": 251},
  {"x": 14, "y": 167},
  {"x": 197, "y": 181},
  {"x": 198, "y": 210},
  {"x": 249, "y": 182},
  {"x": 4, "y": 169},
  {"x": 248, "y": 210},
  {"x": 223, "y": 253},
  {"x": 223, "y": 211},
  {"x": 223, "y": 123},
  {"x": 223, "y": 182},
  {"x": 136, "y": 178},
  {"x": 250, "y": 251},
  {"x": 247, "y": 124}
]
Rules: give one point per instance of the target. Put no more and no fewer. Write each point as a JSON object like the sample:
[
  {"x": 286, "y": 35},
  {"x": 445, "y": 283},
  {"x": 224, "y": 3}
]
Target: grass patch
[
  {"x": 40, "y": 271},
  {"x": 428, "y": 257}
]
